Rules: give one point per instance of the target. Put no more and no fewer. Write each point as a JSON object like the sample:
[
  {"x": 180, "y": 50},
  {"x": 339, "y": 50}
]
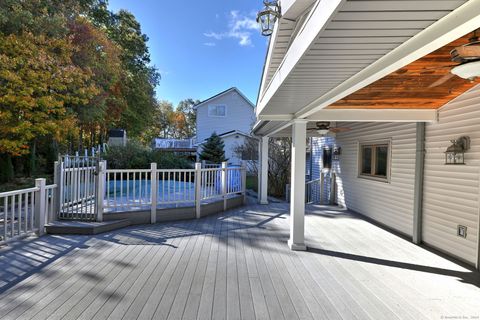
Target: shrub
[{"x": 136, "y": 156}]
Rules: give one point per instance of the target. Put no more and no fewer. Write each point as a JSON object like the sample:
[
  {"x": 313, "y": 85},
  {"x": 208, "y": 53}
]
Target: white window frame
[
  {"x": 212, "y": 106},
  {"x": 360, "y": 146}
]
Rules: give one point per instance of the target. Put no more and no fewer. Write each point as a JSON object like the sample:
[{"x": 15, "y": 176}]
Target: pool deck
[{"x": 235, "y": 265}]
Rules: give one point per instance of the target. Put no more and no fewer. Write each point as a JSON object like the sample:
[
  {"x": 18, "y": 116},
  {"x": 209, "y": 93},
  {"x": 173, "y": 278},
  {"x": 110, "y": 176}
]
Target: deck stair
[{"x": 85, "y": 228}]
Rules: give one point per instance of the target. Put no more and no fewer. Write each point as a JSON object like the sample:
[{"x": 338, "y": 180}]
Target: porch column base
[
  {"x": 263, "y": 202},
  {"x": 296, "y": 246}
]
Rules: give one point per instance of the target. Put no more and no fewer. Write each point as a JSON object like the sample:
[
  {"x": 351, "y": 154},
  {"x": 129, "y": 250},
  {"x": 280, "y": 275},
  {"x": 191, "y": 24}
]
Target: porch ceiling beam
[
  {"x": 322, "y": 13},
  {"x": 280, "y": 127},
  {"x": 453, "y": 26},
  {"x": 375, "y": 115}
]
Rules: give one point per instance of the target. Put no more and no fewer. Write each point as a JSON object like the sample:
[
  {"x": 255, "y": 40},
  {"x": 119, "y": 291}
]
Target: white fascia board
[
  {"x": 271, "y": 45},
  {"x": 375, "y": 115},
  {"x": 292, "y": 9},
  {"x": 275, "y": 117},
  {"x": 321, "y": 15},
  {"x": 451, "y": 27}
]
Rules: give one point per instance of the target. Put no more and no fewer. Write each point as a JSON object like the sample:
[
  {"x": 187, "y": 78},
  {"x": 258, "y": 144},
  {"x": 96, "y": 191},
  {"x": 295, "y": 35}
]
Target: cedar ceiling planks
[{"x": 409, "y": 87}]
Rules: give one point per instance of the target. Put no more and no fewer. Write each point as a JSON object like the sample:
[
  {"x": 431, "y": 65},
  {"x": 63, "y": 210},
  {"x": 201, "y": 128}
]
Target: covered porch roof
[{"x": 363, "y": 61}]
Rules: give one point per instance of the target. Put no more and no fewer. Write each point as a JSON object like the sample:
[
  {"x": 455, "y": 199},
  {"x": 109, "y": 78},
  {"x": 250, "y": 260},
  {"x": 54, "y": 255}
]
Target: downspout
[{"x": 418, "y": 184}]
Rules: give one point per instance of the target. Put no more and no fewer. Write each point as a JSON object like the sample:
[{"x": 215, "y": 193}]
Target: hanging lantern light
[
  {"x": 455, "y": 154},
  {"x": 267, "y": 17}
]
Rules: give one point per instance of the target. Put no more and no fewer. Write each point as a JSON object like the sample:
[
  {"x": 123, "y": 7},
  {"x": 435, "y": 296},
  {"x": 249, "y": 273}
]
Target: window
[
  {"x": 374, "y": 160},
  {"x": 217, "y": 111}
]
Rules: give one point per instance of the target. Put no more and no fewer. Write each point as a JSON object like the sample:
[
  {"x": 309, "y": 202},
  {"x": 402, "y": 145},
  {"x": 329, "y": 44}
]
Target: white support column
[
  {"x": 297, "y": 194},
  {"x": 263, "y": 191}
]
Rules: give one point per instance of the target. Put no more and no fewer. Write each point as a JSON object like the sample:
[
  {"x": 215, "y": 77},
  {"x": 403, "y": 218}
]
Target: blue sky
[{"x": 201, "y": 47}]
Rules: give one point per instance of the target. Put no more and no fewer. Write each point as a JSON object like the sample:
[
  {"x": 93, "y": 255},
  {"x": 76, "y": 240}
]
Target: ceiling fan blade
[
  {"x": 339, "y": 129},
  {"x": 442, "y": 80}
]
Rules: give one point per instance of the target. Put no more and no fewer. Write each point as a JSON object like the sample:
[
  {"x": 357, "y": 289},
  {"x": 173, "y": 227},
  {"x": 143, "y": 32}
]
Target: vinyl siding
[
  {"x": 451, "y": 193},
  {"x": 231, "y": 144},
  {"x": 388, "y": 203},
  {"x": 240, "y": 116}
]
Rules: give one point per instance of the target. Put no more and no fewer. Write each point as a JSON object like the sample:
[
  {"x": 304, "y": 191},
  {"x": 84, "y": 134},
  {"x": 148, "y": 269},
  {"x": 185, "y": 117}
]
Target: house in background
[
  {"x": 231, "y": 116},
  {"x": 381, "y": 76}
]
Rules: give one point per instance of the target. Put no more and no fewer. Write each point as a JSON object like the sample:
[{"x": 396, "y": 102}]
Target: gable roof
[
  {"x": 224, "y": 93},
  {"x": 227, "y": 134}
]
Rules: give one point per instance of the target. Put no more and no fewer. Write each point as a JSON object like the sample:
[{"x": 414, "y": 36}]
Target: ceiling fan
[
  {"x": 467, "y": 58},
  {"x": 324, "y": 128}
]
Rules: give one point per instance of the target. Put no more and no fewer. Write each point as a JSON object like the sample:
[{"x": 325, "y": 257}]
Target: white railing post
[
  {"x": 100, "y": 190},
  {"x": 153, "y": 192},
  {"x": 332, "y": 188},
  {"x": 56, "y": 192},
  {"x": 40, "y": 206},
  {"x": 198, "y": 188},
  {"x": 243, "y": 172},
  {"x": 60, "y": 190},
  {"x": 322, "y": 186},
  {"x": 223, "y": 184}
]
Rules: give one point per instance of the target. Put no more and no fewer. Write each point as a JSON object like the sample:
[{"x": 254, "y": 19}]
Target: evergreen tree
[{"x": 213, "y": 150}]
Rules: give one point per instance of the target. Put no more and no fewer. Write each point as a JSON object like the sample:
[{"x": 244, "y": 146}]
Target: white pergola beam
[{"x": 451, "y": 27}]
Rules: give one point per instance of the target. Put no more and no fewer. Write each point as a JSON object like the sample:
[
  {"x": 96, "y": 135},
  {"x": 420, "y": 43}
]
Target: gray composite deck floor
[{"x": 235, "y": 265}]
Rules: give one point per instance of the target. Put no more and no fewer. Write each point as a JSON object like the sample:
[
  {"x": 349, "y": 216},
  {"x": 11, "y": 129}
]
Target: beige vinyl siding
[
  {"x": 388, "y": 203},
  {"x": 451, "y": 193}
]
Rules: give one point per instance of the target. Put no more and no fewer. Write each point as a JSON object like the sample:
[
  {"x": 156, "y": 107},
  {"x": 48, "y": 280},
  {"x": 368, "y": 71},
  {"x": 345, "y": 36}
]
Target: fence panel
[
  {"x": 126, "y": 188},
  {"x": 77, "y": 187},
  {"x": 176, "y": 186},
  {"x": 17, "y": 212}
]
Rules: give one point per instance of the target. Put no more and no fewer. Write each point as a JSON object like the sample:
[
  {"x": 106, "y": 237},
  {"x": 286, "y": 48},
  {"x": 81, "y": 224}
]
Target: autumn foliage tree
[
  {"x": 69, "y": 71},
  {"x": 37, "y": 81}
]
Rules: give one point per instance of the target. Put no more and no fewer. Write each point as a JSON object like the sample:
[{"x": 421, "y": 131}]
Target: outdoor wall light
[
  {"x": 337, "y": 151},
  {"x": 267, "y": 17},
  {"x": 455, "y": 154}
]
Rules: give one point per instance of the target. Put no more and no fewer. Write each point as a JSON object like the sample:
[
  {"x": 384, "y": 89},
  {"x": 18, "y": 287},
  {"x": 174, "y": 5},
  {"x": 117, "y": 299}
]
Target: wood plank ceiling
[{"x": 415, "y": 86}]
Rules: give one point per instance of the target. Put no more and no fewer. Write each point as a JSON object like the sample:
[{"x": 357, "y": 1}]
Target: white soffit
[{"x": 353, "y": 36}]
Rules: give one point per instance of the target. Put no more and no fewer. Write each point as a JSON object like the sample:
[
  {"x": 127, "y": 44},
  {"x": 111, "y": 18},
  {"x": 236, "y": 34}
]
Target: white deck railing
[
  {"x": 86, "y": 192},
  {"x": 132, "y": 189},
  {"x": 24, "y": 212},
  {"x": 321, "y": 190}
]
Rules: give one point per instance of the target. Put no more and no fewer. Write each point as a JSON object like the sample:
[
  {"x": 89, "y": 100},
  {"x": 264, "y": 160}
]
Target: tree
[
  {"x": 95, "y": 52},
  {"x": 279, "y": 157},
  {"x": 186, "y": 107},
  {"x": 213, "y": 150},
  {"x": 138, "y": 85},
  {"x": 37, "y": 81}
]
